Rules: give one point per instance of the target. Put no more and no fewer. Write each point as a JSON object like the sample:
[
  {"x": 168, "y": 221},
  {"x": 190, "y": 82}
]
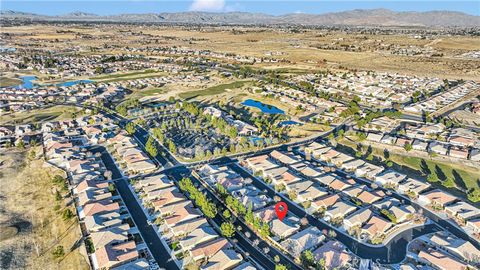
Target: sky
[{"x": 111, "y": 7}]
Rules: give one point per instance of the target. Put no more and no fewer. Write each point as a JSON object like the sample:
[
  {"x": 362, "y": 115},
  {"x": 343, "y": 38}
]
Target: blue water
[
  {"x": 263, "y": 107},
  {"x": 289, "y": 123},
  {"x": 27, "y": 83}
]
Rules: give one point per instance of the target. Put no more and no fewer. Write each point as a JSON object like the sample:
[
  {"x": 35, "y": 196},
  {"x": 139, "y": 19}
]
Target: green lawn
[
  {"x": 117, "y": 75},
  {"x": 465, "y": 177},
  {"x": 38, "y": 116},
  {"x": 129, "y": 76},
  {"x": 214, "y": 90}
]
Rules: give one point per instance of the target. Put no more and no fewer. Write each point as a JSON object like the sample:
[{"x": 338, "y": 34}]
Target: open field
[
  {"x": 31, "y": 226},
  {"x": 5, "y": 81},
  {"x": 214, "y": 90},
  {"x": 117, "y": 77},
  {"x": 303, "y": 48},
  {"x": 59, "y": 112}
]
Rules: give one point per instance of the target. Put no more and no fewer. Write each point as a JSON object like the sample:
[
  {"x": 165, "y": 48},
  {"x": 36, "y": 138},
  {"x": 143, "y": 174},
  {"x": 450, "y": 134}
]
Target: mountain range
[{"x": 357, "y": 17}]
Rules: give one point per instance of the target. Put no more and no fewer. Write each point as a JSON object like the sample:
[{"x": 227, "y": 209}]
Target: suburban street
[{"x": 147, "y": 231}]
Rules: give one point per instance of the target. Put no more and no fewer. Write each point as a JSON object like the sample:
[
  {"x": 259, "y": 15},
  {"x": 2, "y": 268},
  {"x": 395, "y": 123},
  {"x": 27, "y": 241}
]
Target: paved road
[
  {"x": 458, "y": 232},
  {"x": 256, "y": 253},
  {"x": 148, "y": 233},
  {"x": 392, "y": 252}
]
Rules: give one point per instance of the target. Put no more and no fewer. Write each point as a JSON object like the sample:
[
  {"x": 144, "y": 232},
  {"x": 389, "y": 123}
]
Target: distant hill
[{"x": 358, "y": 17}]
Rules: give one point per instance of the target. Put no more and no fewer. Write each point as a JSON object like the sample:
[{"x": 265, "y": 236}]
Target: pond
[
  {"x": 265, "y": 108},
  {"x": 289, "y": 123},
  {"x": 27, "y": 83}
]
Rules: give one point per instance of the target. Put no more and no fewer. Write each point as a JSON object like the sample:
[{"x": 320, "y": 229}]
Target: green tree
[
  {"x": 307, "y": 259},
  {"x": 130, "y": 128},
  {"x": 265, "y": 230},
  {"x": 67, "y": 214},
  {"x": 172, "y": 147},
  {"x": 151, "y": 146},
  {"x": 89, "y": 245},
  {"x": 228, "y": 229},
  {"x": 408, "y": 147},
  {"x": 21, "y": 144},
  {"x": 58, "y": 196},
  {"x": 227, "y": 214},
  {"x": 58, "y": 252},
  {"x": 280, "y": 267}
]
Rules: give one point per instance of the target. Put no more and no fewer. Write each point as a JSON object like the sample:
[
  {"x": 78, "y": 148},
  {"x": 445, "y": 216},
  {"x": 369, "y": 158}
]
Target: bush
[
  {"x": 89, "y": 245},
  {"x": 67, "y": 214},
  {"x": 58, "y": 252},
  {"x": 228, "y": 230}
]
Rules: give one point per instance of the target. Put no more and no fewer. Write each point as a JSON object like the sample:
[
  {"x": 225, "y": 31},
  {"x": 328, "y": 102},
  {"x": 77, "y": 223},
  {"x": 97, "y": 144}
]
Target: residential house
[
  {"x": 440, "y": 260},
  {"x": 285, "y": 228},
  {"x": 357, "y": 219},
  {"x": 410, "y": 185},
  {"x": 339, "y": 210},
  {"x": 325, "y": 202},
  {"x": 94, "y": 208},
  {"x": 463, "y": 211},
  {"x": 389, "y": 177},
  {"x": 223, "y": 259},
  {"x": 368, "y": 170},
  {"x": 334, "y": 255},
  {"x": 112, "y": 235},
  {"x": 110, "y": 256},
  {"x": 403, "y": 212},
  {"x": 303, "y": 240},
  {"x": 206, "y": 250},
  {"x": 102, "y": 221},
  {"x": 188, "y": 226},
  {"x": 376, "y": 226},
  {"x": 452, "y": 245},
  {"x": 198, "y": 236},
  {"x": 436, "y": 197}
]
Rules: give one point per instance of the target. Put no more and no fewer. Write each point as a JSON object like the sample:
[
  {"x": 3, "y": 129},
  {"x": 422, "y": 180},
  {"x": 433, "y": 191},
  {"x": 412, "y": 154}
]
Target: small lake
[
  {"x": 27, "y": 83},
  {"x": 265, "y": 108}
]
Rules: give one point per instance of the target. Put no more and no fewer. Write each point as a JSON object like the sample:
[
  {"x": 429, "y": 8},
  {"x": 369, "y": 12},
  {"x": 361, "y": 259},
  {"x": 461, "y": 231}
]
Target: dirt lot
[
  {"x": 303, "y": 49},
  {"x": 31, "y": 226}
]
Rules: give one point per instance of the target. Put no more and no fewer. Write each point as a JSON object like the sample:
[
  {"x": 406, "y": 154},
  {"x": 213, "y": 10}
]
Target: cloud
[{"x": 208, "y": 5}]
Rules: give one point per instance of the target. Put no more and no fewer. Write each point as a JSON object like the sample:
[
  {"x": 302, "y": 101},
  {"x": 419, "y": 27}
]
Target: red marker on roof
[{"x": 281, "y": 209}]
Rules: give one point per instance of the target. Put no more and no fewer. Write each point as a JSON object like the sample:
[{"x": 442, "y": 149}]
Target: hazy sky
[{"x": 108, "y": 7}]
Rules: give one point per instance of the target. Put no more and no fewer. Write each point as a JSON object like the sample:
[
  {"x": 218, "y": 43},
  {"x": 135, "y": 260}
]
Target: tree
[
  {"x": 307, "y": 259},
  {"x": 280, "y": 267},
  {"x": 151, "y": 146},
  {"x": 58, "y": 196},
  {"x": 228, "y": 230},
  {"x": 130, "y": 128},
  {"x": 265, "y": 230},
  {"x": 227, "y": 214},
  {"x": 171, "y": 147},
  {"x": 58, "y": 252},
  {"x": 408, "y": 147},
  {"x": 67, "y": 214},
  {"x": 21, "y": 144},
  {"x": 89, "y": 245},
  {"x": 292, "y": 194}
]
